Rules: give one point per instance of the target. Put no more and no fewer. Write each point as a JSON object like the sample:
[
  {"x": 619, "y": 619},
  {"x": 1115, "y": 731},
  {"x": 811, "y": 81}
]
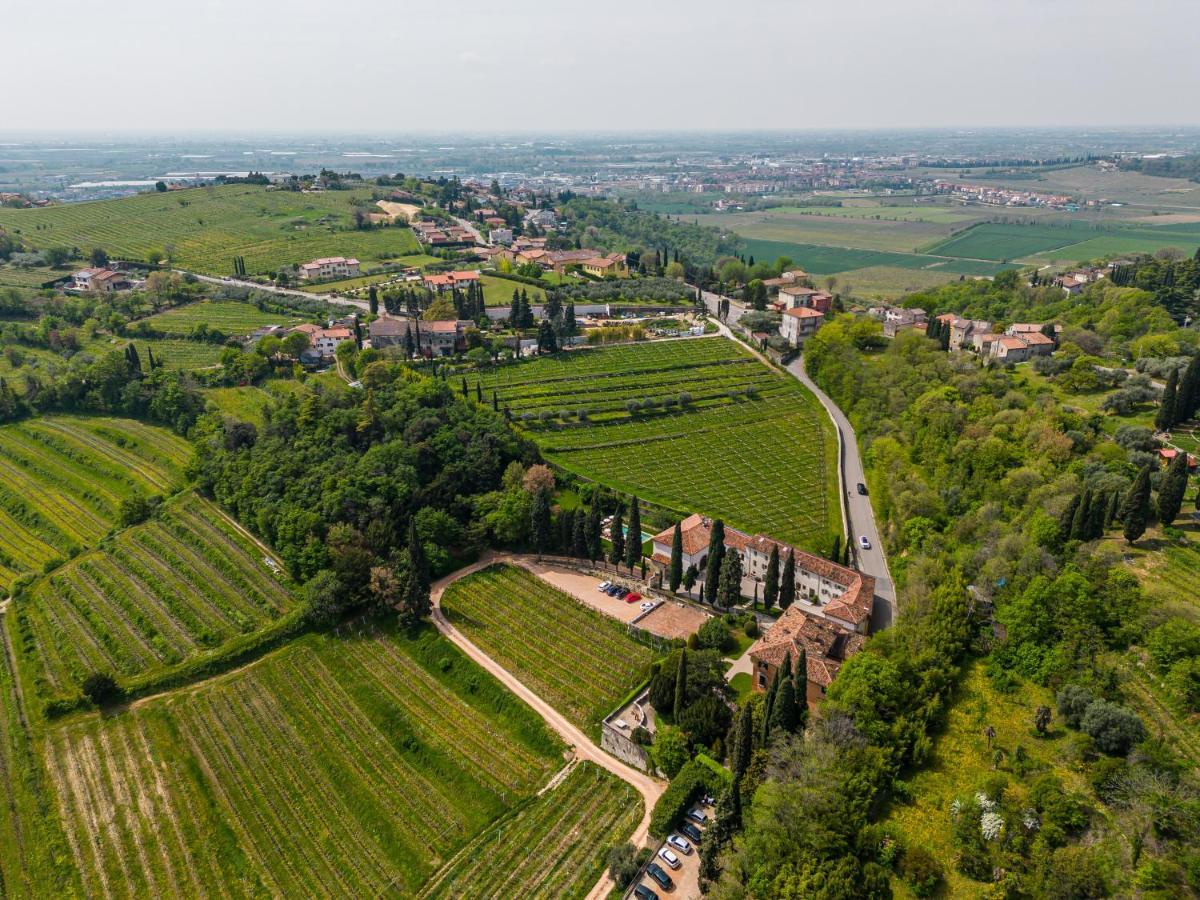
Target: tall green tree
[
  {"x": 783, "y": 712},
  {"x": 801, "y": 677},
  {"x": 771, "y": 588},
  {"x": 729, "y": 591},
  {"x": 1166, "y": 408},
  {"x": 579, "y": 540},
  {"x": 680, "y": 686},
  {"x": 1137, "y": 506},
  {"x": 594, "y": 546},
  {"x": 633, "y": 544},
  {"x": 540, "y": 521},
  {"x": 617, "y": 530},
  {"x": 716, "y": 555},
  {"x": 1172, "y": 488},
  {"x": 1080, "y": 522},
  {"x": 787, "y": 582},
  {"x": 1188, "y": 401},
  {"x": 1066, "y": 520},
  {"x": 675, "y": 572}
]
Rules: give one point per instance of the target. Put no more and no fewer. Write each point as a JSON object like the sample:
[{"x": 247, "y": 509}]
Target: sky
[{"x": 565, "y": 65}]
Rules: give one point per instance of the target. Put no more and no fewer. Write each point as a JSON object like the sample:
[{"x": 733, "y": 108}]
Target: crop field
[
  {"x": 204, "y": 228},
  {"x": 227, "y": 316},
  {"x": 554, "y": 847},
  {"x": 579, "y": 661},
  {"x": 827, "y": 260},
  {"x": 62, "y": 478},
  {"x": 352, "y": 766},
  {"x": 180, "y": 354},
  {"x": 863, "y": 232},
  {"x": 32, "y": 278},
  {"x": 763, "y": 461},
  {"x": 889, "y": 281},
  {"x": 1072, "y": 242},
  {"x": 153, "y": 596}
]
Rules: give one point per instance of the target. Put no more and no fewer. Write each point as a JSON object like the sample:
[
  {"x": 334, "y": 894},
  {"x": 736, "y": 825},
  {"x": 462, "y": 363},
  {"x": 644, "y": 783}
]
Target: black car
[
  {"x": 644, "y": 893},
  {"x": 862, "y": 489},
  {"x": 691, "y": 832},
  {"x": 655, "y": 871}
]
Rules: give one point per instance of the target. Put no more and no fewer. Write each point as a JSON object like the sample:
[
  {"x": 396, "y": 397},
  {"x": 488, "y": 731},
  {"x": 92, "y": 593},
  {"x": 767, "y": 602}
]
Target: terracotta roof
[
  {"x": 826, "y": 644},
  {"x": 1036, "y": 337},
  {"x": 1013, "y": 343},
  {"x": 798, "y": 291},
  {"x": 803, "y": 312}
]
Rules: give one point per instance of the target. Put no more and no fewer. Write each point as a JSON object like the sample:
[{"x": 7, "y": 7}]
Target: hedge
[{"x": 699, "y": 775}]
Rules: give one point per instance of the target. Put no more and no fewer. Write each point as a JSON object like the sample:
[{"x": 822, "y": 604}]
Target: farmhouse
[
  {"x": 329, "y": 267},
  {"x": 826, "y": 645},
  {"x": 97, "y": 279},
  {"x": 429, "y": 338},
  {"x": 841, "y": 595},
  {"x": 1167, "y": 455},
  {"x": 797, "y": 297},
  {"x": 896, "y": 319},
  {"x": 800, "y": 324},
  {"x": 612, "y": 266}
]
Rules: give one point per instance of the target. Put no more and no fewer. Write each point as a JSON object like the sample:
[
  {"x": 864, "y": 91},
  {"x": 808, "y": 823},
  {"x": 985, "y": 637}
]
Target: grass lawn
[
  {"x": 579, "y": 661},
  {"x": 961, "y": 761},
  {"x": 743, "y": 686},
  {"x": 243, "y": 403},
  {"x": 354, "y": 765},
  {"x": 230, "y": 317}
]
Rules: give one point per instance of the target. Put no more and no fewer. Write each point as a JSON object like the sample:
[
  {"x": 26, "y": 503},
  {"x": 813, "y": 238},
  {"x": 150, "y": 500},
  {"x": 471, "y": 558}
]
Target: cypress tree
[
  {"x": 1137, "y": 506},
  {"x": 478, "y": 393},
  {"x": 836, "y": 554},
  {"x": 743, "y": 745},
  {"x": 716, "y": 555},
  {"x": 783, "y": 713},
  {"x": 1079, "y": 523},
  {"x": 1066, "y": 519},
  {"x": 787, "y": 583},
  {"x": 729, "y": 591},
  {"x": 801, "y": 677},
  {"x": 1096, "y": 514},
  {"x": 675, "y": 574},
  {"x": 633, "y": 544},
  {"x": 1166, "y": 409},
  {"x": 1172, "y": 489},
  {"x": 540, "y": 524},
  {"x": 1189, "y": 391},
  {"x": 772, "y": 697},
  {"x": 594, "y": 547},
  {"x": 617, "y": 555},
  {"x": 1110, "y": 515},
  {"x": 579, "y": 540},
  {"x": 771, "y": 589},
  {"x": 495, "y": 402},
  {"x": 680, "y": 686},
  {"x": 566, "y": 531}
]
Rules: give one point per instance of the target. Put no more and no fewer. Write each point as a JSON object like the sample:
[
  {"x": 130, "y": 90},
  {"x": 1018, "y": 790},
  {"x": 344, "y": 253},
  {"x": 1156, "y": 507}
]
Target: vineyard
[
  {"x": 580, "y": 662},
  {"x": 554, "y": 847},
  {"x": 62, "y": 479},
  {"x": 696, "y": 426},
  {"x": 226, "y": 316},
  {"x": 153, "y": 596},
  {"x": 339, "y": 766},
  {"x": 205, "y": 228}
]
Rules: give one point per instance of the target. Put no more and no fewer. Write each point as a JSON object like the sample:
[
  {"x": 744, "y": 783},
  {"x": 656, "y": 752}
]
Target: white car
[
  {"x": 604, "y": 586},
  {"x": 679, "y": 844},
  {"x": 669, "y": 858},
  {"x": 647, "y": 604},
  {"x": 864, "y": 543}
]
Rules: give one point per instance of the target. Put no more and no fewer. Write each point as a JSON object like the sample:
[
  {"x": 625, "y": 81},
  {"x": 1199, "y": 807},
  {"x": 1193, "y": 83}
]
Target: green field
[
  {"x": 827, "y": 260},
  {"x": 230, "y": 317},
  {"x": 63, "y": 478},
  {"x": 1071, "y": 242},
  {"x": 554, "y": 847},
  {"x": 348, "y": 766},
  {"x": 204, "y": 228},
  {"x": 580, "y": 662},
  {"x": 763, "y": 462},
  {"x": 865, "y": 232},
  {"x": 14, "y": 276},
  {"x": 151, "y": 597}
]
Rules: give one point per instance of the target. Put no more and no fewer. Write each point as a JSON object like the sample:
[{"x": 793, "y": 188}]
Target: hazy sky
[{"x": 398, "y": 65}]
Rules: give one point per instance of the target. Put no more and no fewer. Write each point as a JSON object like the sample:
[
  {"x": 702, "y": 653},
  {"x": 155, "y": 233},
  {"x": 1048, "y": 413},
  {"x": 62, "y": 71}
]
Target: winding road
[{"x": 581, "y": 745}]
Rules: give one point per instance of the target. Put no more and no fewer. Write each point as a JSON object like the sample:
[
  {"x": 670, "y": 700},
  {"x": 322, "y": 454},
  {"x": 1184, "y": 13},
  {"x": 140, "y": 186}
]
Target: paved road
[
  {"x": 858, "y": 508},
  {"x": 272, "y": 289},
  {"x": 650, "y": 788}
]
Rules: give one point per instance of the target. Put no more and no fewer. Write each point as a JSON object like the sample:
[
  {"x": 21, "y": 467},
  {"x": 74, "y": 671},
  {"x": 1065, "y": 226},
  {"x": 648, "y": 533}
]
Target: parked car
[
  {"x": 669, "y": 858},
  {"x": 655, "y": 871},
  {"x": 679, "y": 844},
  {"x": 862, "y": 489},
  {"x": 698, "y": 816},
  {"x": 623, "y": 593},
  {"x": 864, "y": 543},
  {"x": 644, "y": 893},
  {"x": 691, "y": 832},
  {"x": 633, "y": 598},
  {"x": 613, "y": 590},
  {"x": 604, "y": 586},
  {"x": 647, "y": 604}
]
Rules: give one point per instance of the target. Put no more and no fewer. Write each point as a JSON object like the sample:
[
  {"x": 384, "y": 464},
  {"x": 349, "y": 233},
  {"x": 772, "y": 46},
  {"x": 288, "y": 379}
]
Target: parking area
[
  {"x": 673, "y": 619},
  {"x": 686, "y": 878},
  {"x": 585, "y": 588}
]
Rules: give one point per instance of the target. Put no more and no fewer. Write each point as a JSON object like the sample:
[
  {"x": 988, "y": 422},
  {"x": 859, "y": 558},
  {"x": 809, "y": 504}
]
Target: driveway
[{"x": 650, "y": 788}]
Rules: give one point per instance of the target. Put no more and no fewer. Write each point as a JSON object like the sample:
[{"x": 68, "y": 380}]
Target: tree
[
  {"x": 1041, "y": 719},
  {"x": 547, "y": 342},
  {"x": 540, "y": 524},
  {"x": 680, "y": 687},
  {"x": 1166, "y": 408},
  {"x": 729, "y": 590},
  {"x": 1079, "y": 522},
  {"x": 101, "y": 688},
  {"x": 633, "y": 544},
  {"x": 373, "y": 300},
  {"x": 1172, "y": 489},
  {"x": 801, "y": 677},
  {"x": 99, "y": 257},
  {"x": 579, "y": 540},
  {"x": 1188, "y": 400},
  {"x": 787, "y": 582},
  {"x": 415, "y": 603},
  {"x": 783, "y": 711},
  {"x": 771, "y": 588},
  {"x": 594, "y": 548},
  {"x": 1066, "y": 520},
  {"x": 689, "y": 578},
  {"x": 670, "y": 750},
  {"x": 1137, "y": 506},
  {"x": 743, "y": 745},
  {"x": 1115, "y": 729},
  {"x": 617, "y": 532},
  {"x": 622, "y": 864},
  {"x": 716, "y": 555},
  {"x": 675, "y": 571},
  {"x": 325, "y": 598}
]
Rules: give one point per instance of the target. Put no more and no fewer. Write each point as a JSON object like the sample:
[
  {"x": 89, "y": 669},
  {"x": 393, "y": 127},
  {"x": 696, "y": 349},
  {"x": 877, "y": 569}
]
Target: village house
[
  {"x": 1167, "y": 455},
  {"x": 541, "y": 218},
  {"x": 797, "y": 325},
  {"x": 963, "y": 331},
  {"x": 501, "y": 236},
  {"x": 429, "y": 338},
  {"x": 610, "y": 266},
  {"x": 797, "y": 296},
  {"x": 322, "y": 342},
  {"x": 329, "y": 267},
  {"x": 1011, "y": 349},
  {"x": 826, "y": 645},
  {"x": 896, "y": 319},
  {"x": 445, "y": 281},
  {"x": 98, "y": 279},
  {"x": 793, "y": 277}
]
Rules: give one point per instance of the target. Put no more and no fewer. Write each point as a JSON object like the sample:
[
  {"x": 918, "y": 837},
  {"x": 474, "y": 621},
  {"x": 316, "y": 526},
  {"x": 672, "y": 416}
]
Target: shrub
[
  {"x": 1172, "y": 641},
  {"x": 670, "y": 751},
  {"x": 1073, "y": 700},
  {"x": 700, "y": 775},
  {"x": 715, "y": 635},
  {"x": 920, "y": 871},
  {"x": 1114, "y": 728},
  {"x": 622, "y": 863}
]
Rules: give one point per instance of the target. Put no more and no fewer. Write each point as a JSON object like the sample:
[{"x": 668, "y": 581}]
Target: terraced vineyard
[
  {"x": 154, "y": 596},
  {"x": 580, "y": 662},
  {"x": 62, "y": 479},
  {"x": 554, "y": 847},
  {"x": 353, "y": 766},
  {"x": 227, "y": 316},
  {"x": 205, "y": 228},
  {"x": 724, "y": 435}
]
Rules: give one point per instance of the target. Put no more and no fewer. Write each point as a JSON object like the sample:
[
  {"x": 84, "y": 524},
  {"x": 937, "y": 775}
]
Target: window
[{"x": 762, "y": 680}]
